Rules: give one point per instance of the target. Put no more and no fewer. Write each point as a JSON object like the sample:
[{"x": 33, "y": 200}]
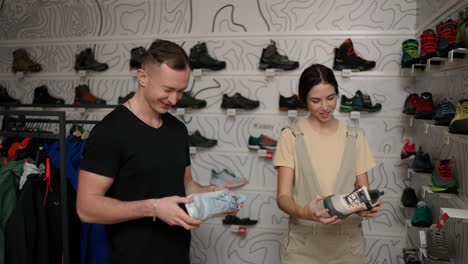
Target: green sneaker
[
  {"x": 410, "y": 53},
  {"x": 462, "y": 31},
  {"x": 360, "y": 102},
  {"x": 422, "y": 216}
]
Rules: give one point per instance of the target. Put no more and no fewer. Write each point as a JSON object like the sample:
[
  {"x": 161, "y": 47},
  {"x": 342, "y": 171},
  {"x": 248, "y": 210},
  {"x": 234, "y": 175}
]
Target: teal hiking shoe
[
  {"x": 360, "y": 102},
  {"x": 422, "y": 215},
  {"x": 410, "y": 53}
]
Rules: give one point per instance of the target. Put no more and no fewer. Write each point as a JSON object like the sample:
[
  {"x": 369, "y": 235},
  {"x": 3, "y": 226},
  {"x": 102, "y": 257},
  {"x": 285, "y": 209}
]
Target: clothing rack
[{"x": 61, "y": 137}]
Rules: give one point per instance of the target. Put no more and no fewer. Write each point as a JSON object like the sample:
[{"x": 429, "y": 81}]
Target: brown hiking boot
[
  {"x": 83, "y": 95},
  {"x": 22, "y": 62}
]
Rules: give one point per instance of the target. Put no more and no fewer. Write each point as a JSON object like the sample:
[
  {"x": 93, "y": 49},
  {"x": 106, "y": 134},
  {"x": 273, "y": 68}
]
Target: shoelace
[
  {"x": 438, "y": 239},
  {"x": 445, "y": 171},
  {"x": 462, "y": 110},
  {"x": 353, "y": 200},
  {"x": 428, "y": 42},
  {"x": 449, "y": 34},
  {"x": 446, "y": 107}
]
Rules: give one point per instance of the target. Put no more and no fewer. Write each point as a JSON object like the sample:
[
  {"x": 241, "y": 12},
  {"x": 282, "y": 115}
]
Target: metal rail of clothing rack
[{"x": 61, "y": 137}]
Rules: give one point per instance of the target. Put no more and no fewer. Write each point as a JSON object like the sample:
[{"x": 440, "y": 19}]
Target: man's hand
[
  {"x": 168, "y": 210},
  {"x": 315, "y": 214}
]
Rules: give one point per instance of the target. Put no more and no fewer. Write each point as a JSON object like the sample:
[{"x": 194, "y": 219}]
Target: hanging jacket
[
  {"x": 9, "y": 174},
  {"x": 26, "y": 235},
  {"x": 94, "y": 247}
]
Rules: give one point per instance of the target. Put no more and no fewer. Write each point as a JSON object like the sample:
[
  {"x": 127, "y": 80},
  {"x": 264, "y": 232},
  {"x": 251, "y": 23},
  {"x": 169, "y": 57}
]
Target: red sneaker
[{"x": 408, "y": 150}]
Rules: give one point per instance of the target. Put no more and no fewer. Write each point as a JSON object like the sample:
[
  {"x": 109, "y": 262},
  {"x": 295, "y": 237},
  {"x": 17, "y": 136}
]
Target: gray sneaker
[
  {"x": 206, "y": 205},
  {"x": 357, "y": 201},
  {"x": 437, "y": 249},
  {"x": 226, "y": 179}
]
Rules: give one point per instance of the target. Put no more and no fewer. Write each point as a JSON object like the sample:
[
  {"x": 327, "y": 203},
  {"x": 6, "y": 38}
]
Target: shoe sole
[
  {"x": 257, "y": 147},
  {"x": 459, "y": 127},
  {"x": 328, "y": 204}
]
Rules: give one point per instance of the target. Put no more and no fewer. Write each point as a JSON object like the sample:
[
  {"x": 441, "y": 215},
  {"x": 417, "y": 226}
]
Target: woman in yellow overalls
[{"x": 316, "y": 157}]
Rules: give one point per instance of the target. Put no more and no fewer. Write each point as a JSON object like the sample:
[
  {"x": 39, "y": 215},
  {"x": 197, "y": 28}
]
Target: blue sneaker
[
  {"x": 206, "y": 205},
  {"x": 444, "y": 114}
]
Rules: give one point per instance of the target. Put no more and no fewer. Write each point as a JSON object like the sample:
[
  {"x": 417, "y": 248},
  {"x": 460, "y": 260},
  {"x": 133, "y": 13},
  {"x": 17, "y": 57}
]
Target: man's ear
[{"x": 142, "y": 77}]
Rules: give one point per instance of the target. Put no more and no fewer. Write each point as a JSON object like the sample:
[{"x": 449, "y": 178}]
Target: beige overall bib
[{"x": 310, "y": 242}]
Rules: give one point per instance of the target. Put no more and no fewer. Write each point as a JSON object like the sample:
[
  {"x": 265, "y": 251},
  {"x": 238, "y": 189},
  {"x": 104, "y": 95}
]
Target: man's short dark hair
[{"x": 165, "y": 51}]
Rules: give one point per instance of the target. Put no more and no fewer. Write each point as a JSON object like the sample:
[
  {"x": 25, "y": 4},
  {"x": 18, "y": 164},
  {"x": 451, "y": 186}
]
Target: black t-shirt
[{"x": 145, "y": 162}]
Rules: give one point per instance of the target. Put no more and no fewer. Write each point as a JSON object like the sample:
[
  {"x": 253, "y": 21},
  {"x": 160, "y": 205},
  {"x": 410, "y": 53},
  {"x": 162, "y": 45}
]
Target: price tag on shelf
[
  {"x": 269, "y": 155},
  {"x": 422, "y": 238},
  {"x": 355, "y": 115},
  {"x": 270, "y": 72},
  {"x": 346, "y": 73},
  {"x": 262, "y": 153},
  {"x": 231, "y": 112},
  {"x": 180, "y": 111},
  {"x": 197, "y": 72},
  {"x": 426, "y": 128},
  {"x": 239, "y": 230},
  {"x": 442, "y": 221},
  {"x": 20, "y": 75},
  {"x": 292, "y": 113},
  {"x": 411, "y": 121},
  {"x": 82, "y": 74},
  {"x": 192, "y": 150}
]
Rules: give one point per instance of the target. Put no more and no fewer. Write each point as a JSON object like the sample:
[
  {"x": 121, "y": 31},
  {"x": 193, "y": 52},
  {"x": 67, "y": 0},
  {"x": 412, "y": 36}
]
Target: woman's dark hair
[{"x": 313, "y": 75}]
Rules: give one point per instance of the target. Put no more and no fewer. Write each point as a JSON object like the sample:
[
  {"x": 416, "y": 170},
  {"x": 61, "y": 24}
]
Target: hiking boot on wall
[
  {"x": 443, "y": 178},
  {"x": 437, "y": 249},
  {"x": 445, "y": 113},
  {"x": 188, "y": 101},
  {"x": 83, "y": 95},
  {"x": 361, "y": 199},
  {"x": 409, "y": 198},
  {"x": 23, "y": 63},
  {"x": 346, "y": 58},
  {"x": 446, "y": 38},
  {"x": 234, "y": 220},
  {"x": 291, "y": 103},
  {"x": 411, "y": 102},
  {"x": 459, "y": 124},
  {"x": 237, "y": 101},
  {"x": 462, "y": 30},
  {"x": 408, "y": 150},
  {"x": 425, "y": 108},
  {"x": 360, "y": 102},
  {"x": 271, "y": 59},
  {"x": 42, "y": 96},
  {"x": 5, "y": 98},
  {"x": 422, "y": 162},
  {"x": 85, "y": 61},
  {"x": 136, "y": 57},
  {"x": 410, "y": 53},
  {"x": 200, "y": 59},
  {"x": 197, "y": 140},
  {"x": 428, "y": 40}
]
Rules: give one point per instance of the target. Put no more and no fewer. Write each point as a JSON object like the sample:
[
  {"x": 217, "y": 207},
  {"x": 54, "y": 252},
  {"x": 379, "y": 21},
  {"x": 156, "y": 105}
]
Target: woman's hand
[
  {"x": 366, "y": 215},
  {"x": 314, "y": 213}
]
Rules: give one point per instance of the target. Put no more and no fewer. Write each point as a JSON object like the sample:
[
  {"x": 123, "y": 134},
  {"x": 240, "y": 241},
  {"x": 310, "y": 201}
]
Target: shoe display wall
[{"x": 258, "y": 50}]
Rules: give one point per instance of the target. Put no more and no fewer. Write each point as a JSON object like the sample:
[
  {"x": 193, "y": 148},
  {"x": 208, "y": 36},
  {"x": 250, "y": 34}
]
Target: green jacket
[{"x": 9, "y": 174}]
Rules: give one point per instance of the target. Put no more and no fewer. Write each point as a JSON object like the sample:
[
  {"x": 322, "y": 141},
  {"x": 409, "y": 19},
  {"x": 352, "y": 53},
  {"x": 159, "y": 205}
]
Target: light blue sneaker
[{"x": 206, "y": 205}]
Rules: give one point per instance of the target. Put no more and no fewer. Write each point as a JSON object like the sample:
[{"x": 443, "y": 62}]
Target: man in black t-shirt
[{"x": 135, "y": 173}]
